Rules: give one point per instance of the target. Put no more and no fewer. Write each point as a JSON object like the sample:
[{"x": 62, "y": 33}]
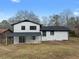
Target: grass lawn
[{"x": 46, "y": 50}]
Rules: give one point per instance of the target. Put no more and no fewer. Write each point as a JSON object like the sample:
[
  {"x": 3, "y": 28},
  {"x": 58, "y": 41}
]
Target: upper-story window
[
  {"x": 51, "y": 32},
  {"x": 22, "y": 27},
  {"x": 32, "y": 27}
]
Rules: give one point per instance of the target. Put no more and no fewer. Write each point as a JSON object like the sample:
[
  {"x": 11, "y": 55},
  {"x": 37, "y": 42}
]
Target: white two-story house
[{"x": 27, "y": 31}]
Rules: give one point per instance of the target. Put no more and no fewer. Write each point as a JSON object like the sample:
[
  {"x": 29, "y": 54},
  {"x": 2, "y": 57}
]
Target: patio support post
[{"x": 6, "y": 39}]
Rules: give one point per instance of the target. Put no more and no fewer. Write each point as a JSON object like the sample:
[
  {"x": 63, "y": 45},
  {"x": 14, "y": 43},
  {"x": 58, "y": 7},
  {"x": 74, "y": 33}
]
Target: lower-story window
[
  {"x": 51, "y": 32},
  {"x": 33, "y": 37},
  {"x": 21, "y": 39},
  {"x": 44, "y": 33}
]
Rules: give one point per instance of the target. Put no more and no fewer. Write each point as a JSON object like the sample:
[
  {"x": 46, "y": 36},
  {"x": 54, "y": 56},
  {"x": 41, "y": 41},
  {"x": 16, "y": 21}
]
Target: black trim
[
  {"x": 33, "y": 37},
  {"x": 25, "y": 34},
  {"x": 54, "y": 28},
  {"x": 26, "y": 21},
  {"x": 33, "y": 27},
  {"x": 22, "y": 27},
  {"x": 44, "y": 33},
  {"x": 51, "y": 32},
  {"x": 21, "y": 39}
]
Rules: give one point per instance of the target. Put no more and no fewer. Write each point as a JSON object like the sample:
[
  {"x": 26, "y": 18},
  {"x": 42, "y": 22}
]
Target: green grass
[{"x": 46, "y": 50}]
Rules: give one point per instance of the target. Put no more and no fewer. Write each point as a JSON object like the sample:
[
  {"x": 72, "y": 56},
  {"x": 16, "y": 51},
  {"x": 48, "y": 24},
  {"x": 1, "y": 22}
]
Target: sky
[{"x": 8, "y": 8}]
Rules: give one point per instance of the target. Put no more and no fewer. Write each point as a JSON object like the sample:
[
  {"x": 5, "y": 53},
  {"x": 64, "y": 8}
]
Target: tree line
[{"x": 64, "y": 18}]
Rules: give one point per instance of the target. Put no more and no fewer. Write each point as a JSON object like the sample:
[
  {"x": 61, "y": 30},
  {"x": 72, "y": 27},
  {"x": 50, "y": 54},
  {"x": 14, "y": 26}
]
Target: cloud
[
  {"x": 76, "y": 12},
  {"x": 16, "y": 1}
]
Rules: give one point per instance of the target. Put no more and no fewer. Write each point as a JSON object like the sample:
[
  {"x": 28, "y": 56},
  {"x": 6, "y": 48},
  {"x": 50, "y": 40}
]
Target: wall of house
[
  {"x": 48, "y": 36},
  {"x": 58, "y": 35},
  {"x": 17, "y": 27},
  {"x": 61, "y": 35},
  {"x": 16, "y": 40},
  {"x": 28, "y": 39}
]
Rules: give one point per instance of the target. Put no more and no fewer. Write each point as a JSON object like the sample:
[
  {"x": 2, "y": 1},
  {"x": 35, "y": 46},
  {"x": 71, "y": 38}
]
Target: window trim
[
  {"x": 22, "y": 27},
  {"x": 44, "y": 33},
  {"x": 33, "y": 27},
  {"x": 22, "y": 39},
  {"x": 51, "y": 32},
  {"x": 33, "y": 37}
]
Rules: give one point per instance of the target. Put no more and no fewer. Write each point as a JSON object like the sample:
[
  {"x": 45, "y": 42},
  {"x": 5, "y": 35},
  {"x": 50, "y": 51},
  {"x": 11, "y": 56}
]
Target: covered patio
[{"x": 28, "y": 37}]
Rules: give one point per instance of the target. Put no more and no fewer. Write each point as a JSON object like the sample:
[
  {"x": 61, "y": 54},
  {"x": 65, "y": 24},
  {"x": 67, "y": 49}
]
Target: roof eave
[{"x": 25, "y": 21}]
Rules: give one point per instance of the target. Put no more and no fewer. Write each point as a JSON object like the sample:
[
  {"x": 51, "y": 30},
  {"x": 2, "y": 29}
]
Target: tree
[
  {"x": 22, "y": 15},
  {"x": 54, "y": 20},
  {"x": 71, "y": 23},
  {"x": 4, "y": 24},
  {"x": 45, "y": 21},
  {"x": 65, "y": 16},
  {"x": 77, "y": 30}
]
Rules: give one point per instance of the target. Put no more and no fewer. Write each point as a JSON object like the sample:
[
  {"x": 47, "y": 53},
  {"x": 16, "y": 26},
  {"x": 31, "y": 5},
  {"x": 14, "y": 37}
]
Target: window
[
  {"x": 22, "y": 27},
  {"x": 32, "y": 27},
  {"x": 44, "y": 33},
  {"x": 51, "y": 32},
  {"x": 33, "y": 37},
  {"x": 21, "y": 39}
]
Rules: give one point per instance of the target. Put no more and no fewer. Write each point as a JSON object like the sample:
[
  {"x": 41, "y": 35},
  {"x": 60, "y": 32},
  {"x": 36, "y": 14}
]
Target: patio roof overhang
[{"x": 25, "y": 34}]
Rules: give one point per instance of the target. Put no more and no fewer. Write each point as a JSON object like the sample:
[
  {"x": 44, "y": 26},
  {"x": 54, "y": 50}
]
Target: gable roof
[
  {"x": 54, "y": 28},
  {"x": 26, "y": 21},
  {"x": 4, "y": 30}
]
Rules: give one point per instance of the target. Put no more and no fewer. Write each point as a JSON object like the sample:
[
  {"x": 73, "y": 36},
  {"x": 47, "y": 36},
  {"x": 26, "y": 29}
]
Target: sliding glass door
[{"x": 21, "y": 39}]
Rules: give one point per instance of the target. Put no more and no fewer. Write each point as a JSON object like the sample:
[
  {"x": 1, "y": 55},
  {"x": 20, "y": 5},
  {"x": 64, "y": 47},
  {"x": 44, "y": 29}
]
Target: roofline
[
  {"x": 54, "y": 30},
  {"x": 8, "y": 30},
  {"x": 25, "y": 21},
  {"x": 65, "y": 28},
  {"x": 25, "y": 33}
]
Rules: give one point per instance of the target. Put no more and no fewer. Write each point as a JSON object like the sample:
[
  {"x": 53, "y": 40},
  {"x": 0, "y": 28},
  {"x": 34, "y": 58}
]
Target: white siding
[
  {"x": 28, "y": 39},
  {"x": 48, "y": 36},
  {"x": 17, "y": 27},
  {"x": 16, "y": 40},
  {"x": 61, "y": 35},
  {"x": 58, "y": 35}
]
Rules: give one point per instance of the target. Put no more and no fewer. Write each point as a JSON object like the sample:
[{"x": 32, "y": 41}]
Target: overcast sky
[{"x": 40, "y": 7}]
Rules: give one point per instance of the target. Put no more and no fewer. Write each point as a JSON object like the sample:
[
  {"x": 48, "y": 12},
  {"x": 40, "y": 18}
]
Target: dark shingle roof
[{"x": 54, "y": 28}]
